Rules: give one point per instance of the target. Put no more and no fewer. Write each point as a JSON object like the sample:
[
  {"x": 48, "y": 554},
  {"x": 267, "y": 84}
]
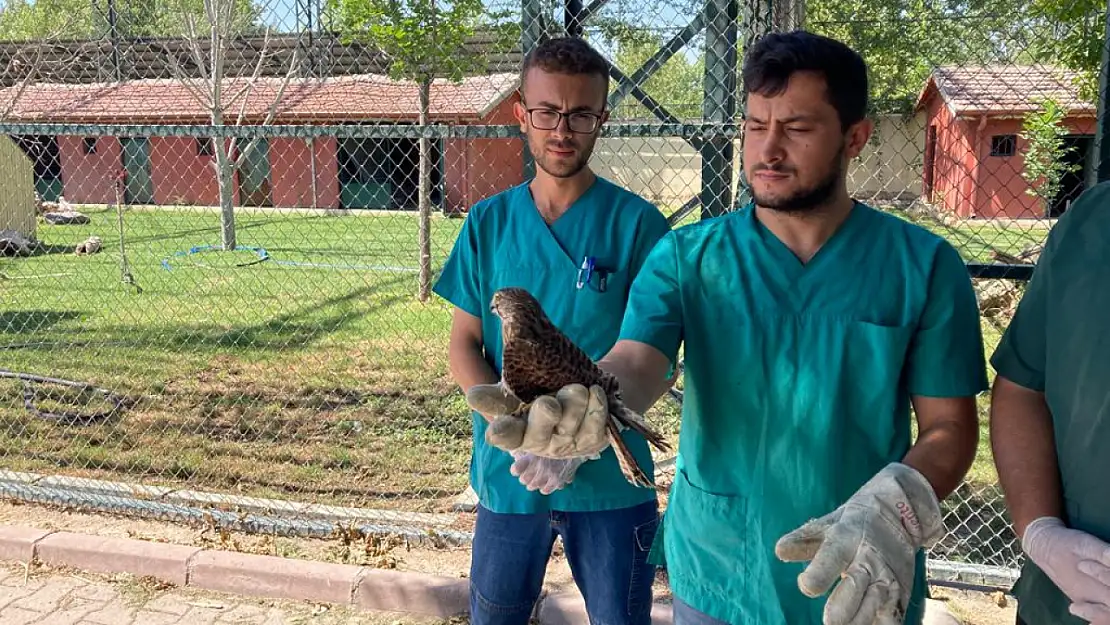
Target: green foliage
[
  {"x": 1072, "y": 33},
  {"x": 1044, "y": 167},
  {"x": 423, "y": 39},
  {"x": 903, "y": 41},
  {"x": 167, "y": 18},
  {"x": 23, "y": 20},
  {"x": 677, "y": 85}
]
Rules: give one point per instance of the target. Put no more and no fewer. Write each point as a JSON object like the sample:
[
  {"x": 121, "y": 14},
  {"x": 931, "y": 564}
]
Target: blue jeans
[
  {"x": 607, "y": 552},
  {"x": 683, "y": 614}
]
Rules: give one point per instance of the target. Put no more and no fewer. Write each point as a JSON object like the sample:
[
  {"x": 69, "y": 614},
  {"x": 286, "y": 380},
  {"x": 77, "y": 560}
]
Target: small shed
[
  {"x": 973, "y": 146},
  {"x": 18, "y": 209}
]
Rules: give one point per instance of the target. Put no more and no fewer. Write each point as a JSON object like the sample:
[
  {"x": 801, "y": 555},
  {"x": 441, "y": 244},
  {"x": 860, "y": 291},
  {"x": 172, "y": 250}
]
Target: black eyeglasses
[{"x": 547, "y": 119}]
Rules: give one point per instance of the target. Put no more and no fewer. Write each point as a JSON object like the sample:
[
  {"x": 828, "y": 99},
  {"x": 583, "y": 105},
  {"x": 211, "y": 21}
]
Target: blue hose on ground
[{"x": 264, "y": 256}]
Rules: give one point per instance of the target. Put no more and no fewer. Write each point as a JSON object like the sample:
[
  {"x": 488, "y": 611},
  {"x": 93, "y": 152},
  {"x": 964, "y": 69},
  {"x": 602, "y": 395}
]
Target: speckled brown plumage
[{"x": 538, "y": 359}]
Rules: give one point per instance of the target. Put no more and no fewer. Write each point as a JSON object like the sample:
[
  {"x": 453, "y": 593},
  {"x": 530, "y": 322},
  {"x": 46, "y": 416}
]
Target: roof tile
[
  {"x": 1005, "y": 89},
  {"x": 342, "y": 98}
]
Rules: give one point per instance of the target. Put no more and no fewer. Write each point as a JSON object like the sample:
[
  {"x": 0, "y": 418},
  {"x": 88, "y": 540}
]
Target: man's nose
[{"x": 772, "y": 149}]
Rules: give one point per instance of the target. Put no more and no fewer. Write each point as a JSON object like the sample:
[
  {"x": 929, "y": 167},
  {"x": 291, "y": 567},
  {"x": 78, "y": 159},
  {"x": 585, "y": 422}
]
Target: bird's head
[{"x": 514, "y": 304}]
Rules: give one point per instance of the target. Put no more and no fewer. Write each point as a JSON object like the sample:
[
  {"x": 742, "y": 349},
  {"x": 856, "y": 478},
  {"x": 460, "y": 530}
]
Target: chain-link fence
[{"x": 223, "y": 218}]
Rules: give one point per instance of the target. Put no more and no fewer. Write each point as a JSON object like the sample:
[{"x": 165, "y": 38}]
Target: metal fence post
[
  {"x": 1102, "y": 141},
  {"x": 719, "y": 104},
  {"x": 531, "y": 33}
]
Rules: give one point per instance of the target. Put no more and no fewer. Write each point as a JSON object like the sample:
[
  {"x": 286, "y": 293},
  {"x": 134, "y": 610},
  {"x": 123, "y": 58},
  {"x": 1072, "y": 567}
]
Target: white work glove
[
  {"x": 869, "y": 544},
  {"x": 571, "y": 424},
  {"x": 546, "y": 475},
  {"x": 1076, "y": 562}
]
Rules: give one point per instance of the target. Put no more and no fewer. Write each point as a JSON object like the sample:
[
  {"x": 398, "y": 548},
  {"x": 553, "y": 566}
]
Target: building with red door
[
  {"x": 973, "y": 153},
  {"x": 325, "y": 172}
]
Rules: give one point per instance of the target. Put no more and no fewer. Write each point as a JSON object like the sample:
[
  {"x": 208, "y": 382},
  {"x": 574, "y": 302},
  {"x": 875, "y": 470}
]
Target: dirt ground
[
  {"x": 978, "y": 608},
  {"x": 972, "y": 608}
]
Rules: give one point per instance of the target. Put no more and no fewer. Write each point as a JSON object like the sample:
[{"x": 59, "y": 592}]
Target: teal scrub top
[
  {"x": 1057, "y": 343},
  {"x": 505, "y": 242},
  {"x": 797, "y": 385}
]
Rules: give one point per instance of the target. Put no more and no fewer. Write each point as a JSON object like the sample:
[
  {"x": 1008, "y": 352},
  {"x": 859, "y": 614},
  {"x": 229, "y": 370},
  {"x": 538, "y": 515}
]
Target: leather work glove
[
  {"x": 869, "y": 544},
  {"x": 571, "y": 424},
  {"x": 546, "y": 475},
  {"x": 1076, "y": 562}
]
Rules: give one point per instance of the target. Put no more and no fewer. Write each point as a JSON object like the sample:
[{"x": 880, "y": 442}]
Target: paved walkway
[{"x": 63, "y": 598}]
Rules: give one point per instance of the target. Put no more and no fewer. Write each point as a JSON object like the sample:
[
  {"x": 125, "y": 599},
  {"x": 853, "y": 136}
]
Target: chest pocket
[{"x": 598, "y": 310}]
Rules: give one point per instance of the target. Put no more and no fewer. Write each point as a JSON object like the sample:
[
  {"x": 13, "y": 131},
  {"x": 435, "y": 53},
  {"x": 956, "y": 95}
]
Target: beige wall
[
  {"x": 667, "y": 170},
  {"x": 17, "y": 193},
  {"x": 891, "y": 165}
]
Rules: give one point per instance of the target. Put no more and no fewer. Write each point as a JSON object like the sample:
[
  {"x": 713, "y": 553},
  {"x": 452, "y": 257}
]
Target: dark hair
[
  {"x": 770, "y": 62},
  {"x": 565, "y": 55}
]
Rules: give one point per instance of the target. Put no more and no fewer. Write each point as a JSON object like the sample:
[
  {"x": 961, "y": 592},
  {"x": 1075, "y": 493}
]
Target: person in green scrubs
[
  {"x": 1050, "y": 416},
  {"x": 575, "y": 241},
  {"x": 811, "y": 324}
]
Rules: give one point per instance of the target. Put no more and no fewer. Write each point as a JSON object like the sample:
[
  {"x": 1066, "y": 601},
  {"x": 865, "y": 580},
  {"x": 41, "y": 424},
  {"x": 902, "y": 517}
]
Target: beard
[
  {"x": 806, "y": 199},
  {"x": 555, "y": 167}
]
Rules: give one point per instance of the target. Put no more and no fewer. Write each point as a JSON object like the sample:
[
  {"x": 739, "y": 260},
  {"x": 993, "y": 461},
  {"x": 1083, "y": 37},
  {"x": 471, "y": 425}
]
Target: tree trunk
[
  {"x": 225, "y": 180},
  {"x": 224, "y": 153},
  {"x": 425, "y": 195}
]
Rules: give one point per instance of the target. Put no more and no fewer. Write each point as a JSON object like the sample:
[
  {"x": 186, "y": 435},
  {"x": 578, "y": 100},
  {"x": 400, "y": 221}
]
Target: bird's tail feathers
[
  {"x": 631, "y": 419},
  {"x": 629, "y": 467}
]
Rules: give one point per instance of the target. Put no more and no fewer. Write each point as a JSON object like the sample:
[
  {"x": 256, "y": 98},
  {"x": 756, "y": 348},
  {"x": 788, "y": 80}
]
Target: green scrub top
[
  {"x": 505, "y": 242},
  {"x": 797, "y": 388},
  {"x": 1058, "y": 343}
]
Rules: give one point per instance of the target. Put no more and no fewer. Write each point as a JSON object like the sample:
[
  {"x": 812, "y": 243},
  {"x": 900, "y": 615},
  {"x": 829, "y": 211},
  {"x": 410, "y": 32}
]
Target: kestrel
[{"x": 538, "y": 359}]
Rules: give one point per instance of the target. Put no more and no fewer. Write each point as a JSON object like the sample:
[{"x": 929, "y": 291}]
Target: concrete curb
[
  {"x": 362, "y": 587},
  {"x": 289, "y": 518}
]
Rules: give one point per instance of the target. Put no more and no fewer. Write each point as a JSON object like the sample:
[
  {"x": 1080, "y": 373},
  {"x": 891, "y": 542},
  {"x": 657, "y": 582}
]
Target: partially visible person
[
  {"x": 538, "y": 236},
  {"x": 1050, "y": 420}
]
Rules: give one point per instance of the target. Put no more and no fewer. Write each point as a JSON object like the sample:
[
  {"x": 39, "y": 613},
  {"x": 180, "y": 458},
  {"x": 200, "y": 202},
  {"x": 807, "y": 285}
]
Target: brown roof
[
  {"x": 1004, "y": 89},
  {"x": 341, "y": 98}
]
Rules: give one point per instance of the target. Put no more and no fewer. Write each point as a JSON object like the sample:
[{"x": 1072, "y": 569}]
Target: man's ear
[
  {"x": 521, "y": 114},
  {"x": 859, "y": 134}
]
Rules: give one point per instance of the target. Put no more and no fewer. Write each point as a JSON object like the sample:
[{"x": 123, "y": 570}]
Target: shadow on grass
[
  {"x": 290, "y": 331},
  {"x": 51, "y": 249},
  {"x": 25, "y": 322},
  {"x": 214, "y": 229}
]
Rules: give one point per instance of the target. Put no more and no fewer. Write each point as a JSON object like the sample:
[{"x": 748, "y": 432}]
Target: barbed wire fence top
[{"x": 222, "y": 219}]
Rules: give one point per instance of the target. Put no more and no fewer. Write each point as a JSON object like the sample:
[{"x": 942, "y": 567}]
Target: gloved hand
[
  {"x": 1076, "y": 562},
  {"x": 546, "y": 475},
  {"x": 869, "y": 544},
  {"x": 571, "y": 424}
]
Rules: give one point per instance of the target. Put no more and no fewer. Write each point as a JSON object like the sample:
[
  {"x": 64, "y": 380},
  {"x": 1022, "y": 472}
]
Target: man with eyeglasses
[{"x": 575, "y": 241}]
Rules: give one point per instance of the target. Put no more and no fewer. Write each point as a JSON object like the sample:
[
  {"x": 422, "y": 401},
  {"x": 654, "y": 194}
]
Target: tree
[
  {"x": 903, "y": 42},
  {"x": 1044, "y": 166},
  {"x": 220, "y": 96},
  {"x": 422, "y": 41},
  {"x": 677, "y": 85},
  {"x": 1070, "y": 34},
  {"x": 23, "y": 20}
]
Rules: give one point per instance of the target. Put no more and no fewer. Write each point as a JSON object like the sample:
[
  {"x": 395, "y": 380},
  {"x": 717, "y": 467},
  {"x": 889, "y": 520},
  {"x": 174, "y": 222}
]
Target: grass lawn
[
  {"x": 271, "y": 379},
  {"x": 315, "y": 375}
]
